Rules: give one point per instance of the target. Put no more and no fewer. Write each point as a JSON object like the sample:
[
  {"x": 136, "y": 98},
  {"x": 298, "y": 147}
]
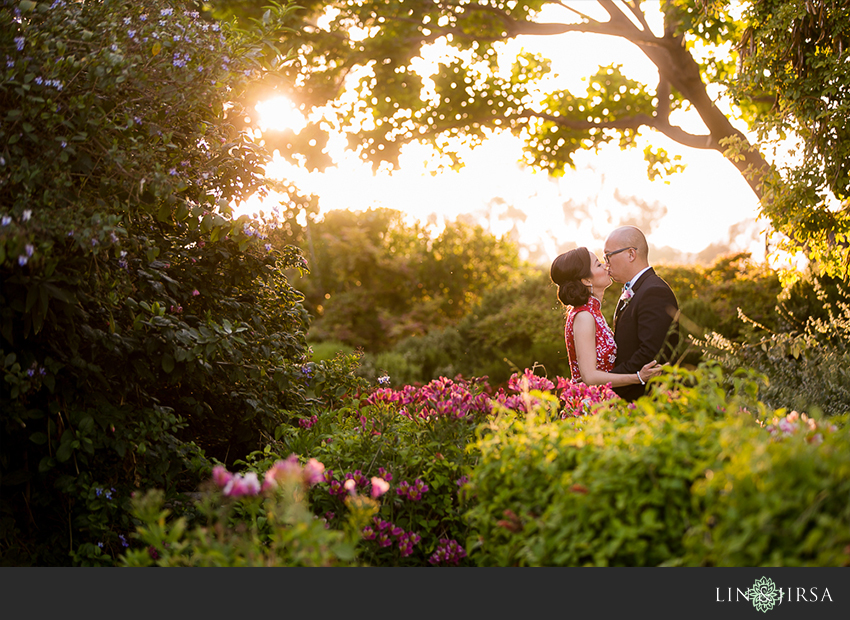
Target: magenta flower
[
  {"x": 448, "y": 552},
  {"x": 529, "y": 381}
]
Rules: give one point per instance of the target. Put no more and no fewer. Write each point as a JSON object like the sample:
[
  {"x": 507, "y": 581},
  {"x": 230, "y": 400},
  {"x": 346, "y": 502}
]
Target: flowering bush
[
  {"x": 143, "y": 326},
  {"x": 242, "y": 523}
]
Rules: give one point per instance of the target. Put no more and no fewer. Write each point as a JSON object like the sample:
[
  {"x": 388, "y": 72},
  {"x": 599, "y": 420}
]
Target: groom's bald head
[
  {"x": 624, "y": 264},
  {"x": 631, "y": 236}
]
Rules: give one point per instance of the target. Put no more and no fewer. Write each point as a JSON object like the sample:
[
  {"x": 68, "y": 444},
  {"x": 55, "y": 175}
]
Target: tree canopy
[{"x": 763, "y": 66}]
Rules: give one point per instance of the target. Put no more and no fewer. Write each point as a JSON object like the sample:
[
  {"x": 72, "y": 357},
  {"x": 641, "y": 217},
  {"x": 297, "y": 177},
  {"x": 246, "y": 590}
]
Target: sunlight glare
[{"x": 280, "y": 113}]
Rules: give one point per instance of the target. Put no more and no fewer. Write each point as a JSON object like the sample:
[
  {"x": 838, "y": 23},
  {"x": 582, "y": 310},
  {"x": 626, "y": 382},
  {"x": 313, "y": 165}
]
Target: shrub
[
  {"x": 613, "y": 489},
  {"x": 779, "y": 502},
  {"x": 143, "y": 325},
  {"x": 244, "y": 523},
  {"x": 414, "y": 440},
  {"x": 805, "y": 361}
]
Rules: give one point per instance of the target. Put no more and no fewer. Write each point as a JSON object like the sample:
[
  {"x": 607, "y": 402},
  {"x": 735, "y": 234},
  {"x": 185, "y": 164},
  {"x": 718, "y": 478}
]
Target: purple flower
[
  {"x": 19, "y": 43},
  {"x": 448, "y": 552}
]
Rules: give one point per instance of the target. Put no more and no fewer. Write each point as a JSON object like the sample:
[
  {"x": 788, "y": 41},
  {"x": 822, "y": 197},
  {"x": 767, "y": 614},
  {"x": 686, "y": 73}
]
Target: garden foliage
[
  {"x": 805, "y": 357},
  {"x": 646, "y": 484},
  {"x": 520, "y": 324},
  {"x": 144, "y": 326}
]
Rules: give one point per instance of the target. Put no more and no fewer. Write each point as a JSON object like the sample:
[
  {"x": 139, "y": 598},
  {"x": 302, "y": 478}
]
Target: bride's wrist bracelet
[{"x": 642, "y": 382}]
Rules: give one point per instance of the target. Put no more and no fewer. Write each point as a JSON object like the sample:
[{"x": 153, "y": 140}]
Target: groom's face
[{"x": 617, "y": 259}]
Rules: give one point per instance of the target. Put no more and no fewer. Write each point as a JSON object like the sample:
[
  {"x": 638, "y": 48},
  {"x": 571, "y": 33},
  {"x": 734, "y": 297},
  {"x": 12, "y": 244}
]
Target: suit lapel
[{"x": 621, "y": 305}]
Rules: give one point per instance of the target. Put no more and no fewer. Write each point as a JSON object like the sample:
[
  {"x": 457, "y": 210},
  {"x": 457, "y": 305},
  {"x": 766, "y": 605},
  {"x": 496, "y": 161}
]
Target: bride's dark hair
[{"x": 567, "y": 271}]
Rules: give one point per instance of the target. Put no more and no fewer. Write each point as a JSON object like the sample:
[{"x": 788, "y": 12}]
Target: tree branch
[{"x": 633, "y": 122}]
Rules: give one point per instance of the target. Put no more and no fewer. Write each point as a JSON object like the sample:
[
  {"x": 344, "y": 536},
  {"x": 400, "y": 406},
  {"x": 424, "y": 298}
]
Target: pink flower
[
  {"x": 282, "y": 471},
  {"x": 195, "y": 293},
  {"x": 221, "y": 476},
  {"x": 314, "y": 472},
  {"x": 240, "y": 486},
  {"x": 350, "y": 486},
  {"x": 379, "y": 487}
]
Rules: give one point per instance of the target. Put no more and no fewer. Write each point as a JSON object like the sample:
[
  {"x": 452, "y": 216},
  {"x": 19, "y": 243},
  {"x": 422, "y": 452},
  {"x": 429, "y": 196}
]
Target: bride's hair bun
[{"x": 567, "y": 271}]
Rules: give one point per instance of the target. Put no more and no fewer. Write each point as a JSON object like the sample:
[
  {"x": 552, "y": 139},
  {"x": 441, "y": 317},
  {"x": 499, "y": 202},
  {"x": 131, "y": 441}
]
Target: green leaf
[
  {"x": 38, "y": 438},
  {"x": 167, "y": 363},
  {"x": 46, "y": 464},
  {"x": 64, "y": 452}
]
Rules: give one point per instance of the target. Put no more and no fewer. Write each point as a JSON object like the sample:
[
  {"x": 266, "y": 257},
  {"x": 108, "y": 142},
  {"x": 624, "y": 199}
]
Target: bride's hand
[{"x": 652, "y": 369}]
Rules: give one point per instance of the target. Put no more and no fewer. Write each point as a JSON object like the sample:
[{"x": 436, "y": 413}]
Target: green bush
[
  {"x": 780, "y": 502},
  {"x": 613, "y": 489},
  {"x": 144, "y": 327},
  {"x": 806, "y": 359}
]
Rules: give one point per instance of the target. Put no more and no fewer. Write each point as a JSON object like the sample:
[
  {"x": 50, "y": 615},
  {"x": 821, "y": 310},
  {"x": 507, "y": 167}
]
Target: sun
[{"x": 280, "y": 113}]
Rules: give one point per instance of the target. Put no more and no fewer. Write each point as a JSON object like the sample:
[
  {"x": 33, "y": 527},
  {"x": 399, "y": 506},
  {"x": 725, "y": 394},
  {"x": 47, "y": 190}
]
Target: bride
[{"x": 582, "y": 279}]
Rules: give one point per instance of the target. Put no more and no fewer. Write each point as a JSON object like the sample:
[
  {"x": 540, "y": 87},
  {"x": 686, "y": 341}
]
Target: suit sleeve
[{"x": 655, "y": 314}]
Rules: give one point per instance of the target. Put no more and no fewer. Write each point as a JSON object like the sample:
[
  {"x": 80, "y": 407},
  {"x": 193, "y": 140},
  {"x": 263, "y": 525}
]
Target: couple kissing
[{"x": 644, "y": 330}]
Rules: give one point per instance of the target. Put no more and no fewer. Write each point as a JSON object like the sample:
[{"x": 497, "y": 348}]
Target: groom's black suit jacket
[{"x": 645, "y": 329}]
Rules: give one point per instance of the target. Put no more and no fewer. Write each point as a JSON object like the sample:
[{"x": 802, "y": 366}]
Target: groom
[{"x": 646, "y": 319}]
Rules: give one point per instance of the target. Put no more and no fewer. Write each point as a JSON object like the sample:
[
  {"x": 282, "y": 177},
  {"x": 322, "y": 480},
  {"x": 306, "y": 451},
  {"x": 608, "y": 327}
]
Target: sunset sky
[{"x": 710, "y": 203}]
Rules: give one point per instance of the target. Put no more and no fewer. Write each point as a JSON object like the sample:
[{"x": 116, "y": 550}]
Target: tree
[
  {"x": 796, "y": 53},
  {"x": 376, "y": 279},
  {"x": 360, "y": 61}
]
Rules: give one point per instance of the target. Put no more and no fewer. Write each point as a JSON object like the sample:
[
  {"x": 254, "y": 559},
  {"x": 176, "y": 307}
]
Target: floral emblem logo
[{"x": 764, "y": 594}]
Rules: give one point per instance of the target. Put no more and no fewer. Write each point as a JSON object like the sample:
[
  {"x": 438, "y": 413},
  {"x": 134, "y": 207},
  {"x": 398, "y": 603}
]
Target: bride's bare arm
[{"x": 584, "y": 332}]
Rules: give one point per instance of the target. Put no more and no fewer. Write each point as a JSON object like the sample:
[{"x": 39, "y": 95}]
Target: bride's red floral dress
[{"x": 606, "y": 348}]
